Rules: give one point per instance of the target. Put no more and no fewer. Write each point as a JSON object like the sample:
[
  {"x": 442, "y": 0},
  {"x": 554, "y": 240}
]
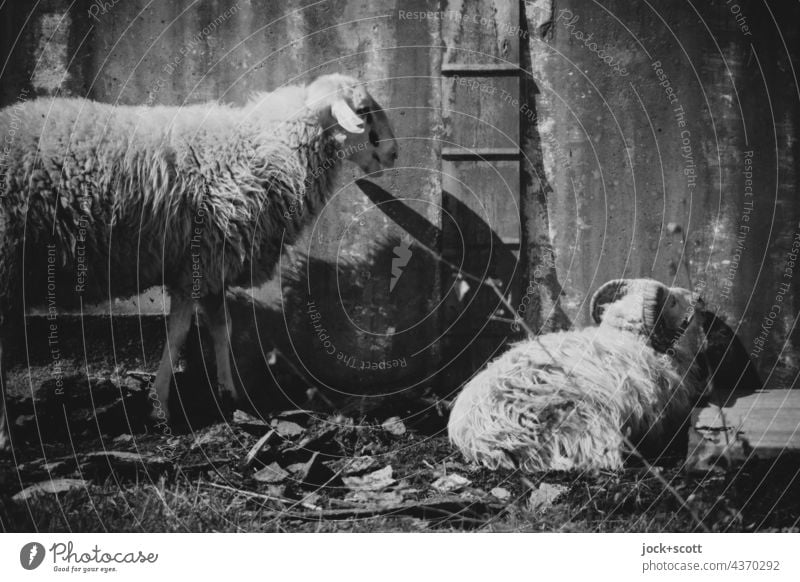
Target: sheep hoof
[{"x": 227, "y": 403}]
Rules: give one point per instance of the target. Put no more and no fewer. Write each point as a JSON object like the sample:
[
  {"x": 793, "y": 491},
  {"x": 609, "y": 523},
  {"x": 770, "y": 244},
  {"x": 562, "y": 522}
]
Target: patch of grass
[{"x": 760, "y": 496}]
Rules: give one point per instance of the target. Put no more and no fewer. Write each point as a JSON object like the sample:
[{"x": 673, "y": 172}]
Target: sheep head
[
  {"x": 664, "y": 315},
  {"x": 355, "y": 120}
]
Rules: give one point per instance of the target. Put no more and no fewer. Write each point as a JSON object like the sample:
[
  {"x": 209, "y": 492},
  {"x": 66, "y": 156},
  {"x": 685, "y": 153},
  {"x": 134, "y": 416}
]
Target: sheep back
[
  {"x": 120, "y": 199},
  {"x": 564, "y": 400}
]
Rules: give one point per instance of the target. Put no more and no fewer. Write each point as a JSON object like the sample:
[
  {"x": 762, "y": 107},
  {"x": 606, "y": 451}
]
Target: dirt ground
[{"x": 89, "y": 460}]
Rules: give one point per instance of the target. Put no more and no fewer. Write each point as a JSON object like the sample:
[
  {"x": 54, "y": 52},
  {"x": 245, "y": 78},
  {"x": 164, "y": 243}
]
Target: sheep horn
[
  {"x": 654, "y": 297},
  {"x": 346, "y": 117},
  {"x": 654, "y": 301},
  {"x": 607, "y": 293}
]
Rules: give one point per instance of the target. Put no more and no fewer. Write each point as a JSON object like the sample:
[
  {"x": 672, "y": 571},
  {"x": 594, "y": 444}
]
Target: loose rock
[
  {"x": 374, "y": 481},
  {"x": 545, "y": 496},
  {"x": 451, "y": 483},
  {"x": 272, "y": 473},
  {"x": 287, "y": 429},
  {"x": 500, "y": 493},
  {"x": 394, "y": 426}
]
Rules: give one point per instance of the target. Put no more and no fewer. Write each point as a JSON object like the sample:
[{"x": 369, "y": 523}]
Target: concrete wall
[{"x": 672, "y": 154}]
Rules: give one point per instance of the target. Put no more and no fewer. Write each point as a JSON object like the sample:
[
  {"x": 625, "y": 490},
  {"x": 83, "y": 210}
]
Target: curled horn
[
  {"x": 607, "y": 293},
  {"x": 654, "y": 297},
  {"x": 654, "y": 302},
  {"x": 346, "y": 117}
]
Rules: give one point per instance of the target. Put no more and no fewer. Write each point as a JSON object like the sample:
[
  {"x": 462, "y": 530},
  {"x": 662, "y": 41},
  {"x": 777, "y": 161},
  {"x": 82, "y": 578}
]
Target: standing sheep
[
  {"x": 568, "y": 400},
  {"x": 98, "y": 201}
]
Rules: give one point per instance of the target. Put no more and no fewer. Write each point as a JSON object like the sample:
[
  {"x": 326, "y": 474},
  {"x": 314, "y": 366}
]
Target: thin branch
[
  {"x": 262, "y": 496},
  {"x": 667, "y": 485}
]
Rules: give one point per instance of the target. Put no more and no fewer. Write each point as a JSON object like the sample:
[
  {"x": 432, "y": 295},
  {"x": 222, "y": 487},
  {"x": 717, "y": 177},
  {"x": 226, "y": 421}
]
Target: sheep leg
[
  {"x": 4, "y": 441},
  {"x": 178, "y": 324},
  {"x": 219, "y": 323}
]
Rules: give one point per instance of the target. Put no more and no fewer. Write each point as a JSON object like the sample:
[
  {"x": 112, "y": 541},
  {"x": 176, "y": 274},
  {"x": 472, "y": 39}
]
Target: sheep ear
[
  {"x": 346, "y": 117},
  {"x": 607, "y": 293}
]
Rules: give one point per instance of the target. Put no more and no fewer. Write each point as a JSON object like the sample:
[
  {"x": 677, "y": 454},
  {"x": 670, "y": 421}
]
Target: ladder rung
[
  {"x": 456, "y": 154},
  {"x": 510, "y": 242},
  {"x": 499, "y": 70}
]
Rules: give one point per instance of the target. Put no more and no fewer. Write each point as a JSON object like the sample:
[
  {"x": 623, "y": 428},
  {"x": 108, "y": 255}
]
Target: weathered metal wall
[
  {"x": 664, "y": 144},
  {"x": 669, "y": 139}
]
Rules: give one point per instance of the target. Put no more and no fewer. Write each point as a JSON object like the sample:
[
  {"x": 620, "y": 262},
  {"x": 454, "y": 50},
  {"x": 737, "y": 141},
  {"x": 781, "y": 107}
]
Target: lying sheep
[
  {"x": 568, "y": 400},
  {"x": 98, "y": 201}
]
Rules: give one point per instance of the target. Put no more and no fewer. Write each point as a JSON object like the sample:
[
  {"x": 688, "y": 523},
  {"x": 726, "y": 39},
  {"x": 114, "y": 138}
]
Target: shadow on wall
[
  {"x": 474, "y": 323},
  {"x": 340, "y": 348},
  {"x": 314, "y": 351}
]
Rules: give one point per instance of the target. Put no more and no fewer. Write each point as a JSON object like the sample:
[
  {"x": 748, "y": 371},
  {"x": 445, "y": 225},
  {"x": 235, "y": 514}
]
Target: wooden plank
[
  {"x": 770, "y": 420},
  {"x": 764, "y": 424}
]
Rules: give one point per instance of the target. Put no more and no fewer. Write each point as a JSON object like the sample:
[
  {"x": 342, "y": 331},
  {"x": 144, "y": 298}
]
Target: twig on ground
[
  {"x": 262, "y": 496},
  {"x": 667, "y": 485}
]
